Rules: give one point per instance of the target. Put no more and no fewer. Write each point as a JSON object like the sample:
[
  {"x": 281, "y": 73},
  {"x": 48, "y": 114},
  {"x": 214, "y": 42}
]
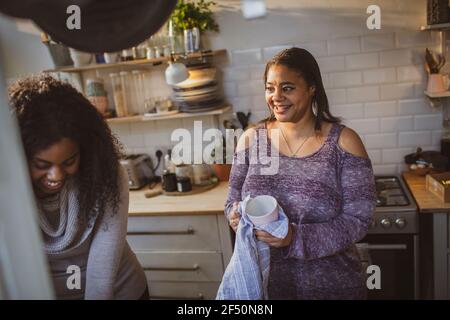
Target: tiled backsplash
[
  {"x": 374, "y": 79},
  {"x": 374, "y": 83}
]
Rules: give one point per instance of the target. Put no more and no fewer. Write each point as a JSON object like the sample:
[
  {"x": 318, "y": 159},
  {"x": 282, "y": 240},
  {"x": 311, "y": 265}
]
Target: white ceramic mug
[{"x": 262, "y": 209}]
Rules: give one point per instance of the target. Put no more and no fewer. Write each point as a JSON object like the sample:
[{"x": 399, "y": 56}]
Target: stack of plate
[{"x": 199, "y": 93}]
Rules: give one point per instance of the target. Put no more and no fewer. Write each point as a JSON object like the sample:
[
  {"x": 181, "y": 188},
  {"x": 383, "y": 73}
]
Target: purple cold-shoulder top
[{"x": 329, "y": 197}]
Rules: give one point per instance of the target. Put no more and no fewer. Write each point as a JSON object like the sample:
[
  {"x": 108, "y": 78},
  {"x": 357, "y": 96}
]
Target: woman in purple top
[{"x": 324, "y": 183}]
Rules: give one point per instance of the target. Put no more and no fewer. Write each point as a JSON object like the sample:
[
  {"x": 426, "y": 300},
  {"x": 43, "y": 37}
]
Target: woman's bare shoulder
[
  {"x": 350, "y": 142},
  {"x": 246, "y": 139}
]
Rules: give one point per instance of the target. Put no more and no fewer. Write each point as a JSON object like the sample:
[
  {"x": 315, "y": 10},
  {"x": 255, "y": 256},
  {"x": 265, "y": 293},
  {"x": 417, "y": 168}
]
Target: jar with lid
[{"x": 96, "y": 94}]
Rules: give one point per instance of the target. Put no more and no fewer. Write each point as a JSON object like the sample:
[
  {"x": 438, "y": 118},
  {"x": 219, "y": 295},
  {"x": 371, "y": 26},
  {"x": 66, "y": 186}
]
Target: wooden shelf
[
  {"x": 180, "y": 115},
  {"x": 139, "y": 62},
  {"x": 436, "y": 27},
  {"x": 444, "y": 94}
]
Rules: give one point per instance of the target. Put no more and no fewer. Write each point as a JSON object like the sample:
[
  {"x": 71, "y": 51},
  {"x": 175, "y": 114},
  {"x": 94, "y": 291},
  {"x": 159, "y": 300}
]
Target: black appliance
[{"x": 392, "y": 242}]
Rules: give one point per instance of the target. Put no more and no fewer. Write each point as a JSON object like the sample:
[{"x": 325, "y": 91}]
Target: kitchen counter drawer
[
  {"x": 174, "y": 233},
  {"x": 181, "y": 266},
  {"x": 183, "y": 290}
]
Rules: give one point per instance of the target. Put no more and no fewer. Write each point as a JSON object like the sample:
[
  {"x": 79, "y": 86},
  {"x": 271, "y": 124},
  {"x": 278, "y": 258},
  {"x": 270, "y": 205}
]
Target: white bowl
[
  {"x": 262, "y": 209},
  {"x": 111, "y": 57},
  {"x": 80, "y": 58}
]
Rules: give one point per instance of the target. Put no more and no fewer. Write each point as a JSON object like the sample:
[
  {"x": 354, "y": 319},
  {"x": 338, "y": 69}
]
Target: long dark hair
[
  {"x": 48, "y": 110},
  {"x": 303, "y": 63}
]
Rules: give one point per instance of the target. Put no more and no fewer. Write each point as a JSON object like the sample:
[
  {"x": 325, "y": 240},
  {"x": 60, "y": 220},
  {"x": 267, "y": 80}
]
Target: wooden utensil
[{"x": 153, "y": 193}]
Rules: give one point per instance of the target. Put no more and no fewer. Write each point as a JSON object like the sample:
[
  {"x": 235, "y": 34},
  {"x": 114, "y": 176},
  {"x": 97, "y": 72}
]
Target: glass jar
[
  {"x": 118, "y": 95},
  {"x": 128, "y": 91},
  {"x": 139, "y": 92},
  {"x": 96, "y": 94}
]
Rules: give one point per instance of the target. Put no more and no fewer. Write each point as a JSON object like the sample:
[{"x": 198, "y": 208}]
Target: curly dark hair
[
  {"x": 49, "y": 110},
  {"x": 303, "y": 62}
]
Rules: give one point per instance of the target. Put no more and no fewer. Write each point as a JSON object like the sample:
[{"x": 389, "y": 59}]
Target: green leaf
[{"x": 190, "y": 14}]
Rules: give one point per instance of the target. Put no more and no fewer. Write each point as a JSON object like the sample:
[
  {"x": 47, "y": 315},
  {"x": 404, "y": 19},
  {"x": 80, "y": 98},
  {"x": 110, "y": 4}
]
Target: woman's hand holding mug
[{"x": 234, "y": 217}]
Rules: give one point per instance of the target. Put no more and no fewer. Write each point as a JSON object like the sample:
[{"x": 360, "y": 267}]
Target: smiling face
[
  {"x": 50, "y": 168},
  {"x": 287, "y": 94}
]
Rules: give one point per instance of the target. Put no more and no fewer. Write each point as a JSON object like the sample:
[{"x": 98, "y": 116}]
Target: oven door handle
[{"x": 387, "y": 247}]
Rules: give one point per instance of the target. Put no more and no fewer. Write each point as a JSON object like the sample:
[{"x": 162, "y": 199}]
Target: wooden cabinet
[
  {"x": 434, "y": 217},
  {"x": 184, "y": 257}
]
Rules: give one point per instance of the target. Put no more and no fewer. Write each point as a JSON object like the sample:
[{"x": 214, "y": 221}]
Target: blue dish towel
[{"x": 247, "y": 275}]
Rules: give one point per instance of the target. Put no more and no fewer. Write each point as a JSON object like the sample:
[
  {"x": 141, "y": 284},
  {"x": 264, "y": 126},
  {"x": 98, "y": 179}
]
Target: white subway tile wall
[
  {"x": 361, "y": 61},
  {"x": 379, "y": 42},
  {"x": 345, "y": 79},
  {"x": 374, "y": 82},
  {"x": 317, "y": 48},
  {"x": 381, "y": 75},
  {"x": 344, "y": 46}
]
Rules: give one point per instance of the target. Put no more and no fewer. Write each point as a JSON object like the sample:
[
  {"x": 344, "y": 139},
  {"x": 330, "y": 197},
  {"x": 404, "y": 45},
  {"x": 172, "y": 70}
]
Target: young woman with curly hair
[{"x": 80, "y": 189}]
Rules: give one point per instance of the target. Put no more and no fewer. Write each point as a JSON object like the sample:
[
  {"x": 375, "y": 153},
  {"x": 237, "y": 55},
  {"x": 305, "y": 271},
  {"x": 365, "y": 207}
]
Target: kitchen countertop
[
  {"x": 426, "y": 201},
  {"x": 205, "y": 203}
]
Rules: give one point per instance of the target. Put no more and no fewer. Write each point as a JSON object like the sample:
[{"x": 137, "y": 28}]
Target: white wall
[{"x": 374, "y": 78}]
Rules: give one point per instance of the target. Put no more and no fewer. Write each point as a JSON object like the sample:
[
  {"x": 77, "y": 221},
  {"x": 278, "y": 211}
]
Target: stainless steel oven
[{"x": 392, "y": 242}]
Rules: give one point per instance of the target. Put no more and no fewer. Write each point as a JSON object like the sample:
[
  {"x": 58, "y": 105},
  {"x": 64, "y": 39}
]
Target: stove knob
[
  {"x": 373, "y": 224},
  {"x": 385, "y": 223},
  {"x": 400, "y": 223}
]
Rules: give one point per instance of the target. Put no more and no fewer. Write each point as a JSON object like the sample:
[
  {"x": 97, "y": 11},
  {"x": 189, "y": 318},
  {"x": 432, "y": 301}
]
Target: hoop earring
[{"x": 315, "y": 109}]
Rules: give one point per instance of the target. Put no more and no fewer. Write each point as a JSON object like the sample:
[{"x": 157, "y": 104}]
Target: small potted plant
[
  {"x": 219, "y": 162},
  {"x": 433, "y": 64},
  {"x": 192, "y": 18}
]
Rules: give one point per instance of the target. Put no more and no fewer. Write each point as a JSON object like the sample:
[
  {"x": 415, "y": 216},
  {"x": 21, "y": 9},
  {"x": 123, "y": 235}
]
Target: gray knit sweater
[{"x": 108, "y": 267}]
